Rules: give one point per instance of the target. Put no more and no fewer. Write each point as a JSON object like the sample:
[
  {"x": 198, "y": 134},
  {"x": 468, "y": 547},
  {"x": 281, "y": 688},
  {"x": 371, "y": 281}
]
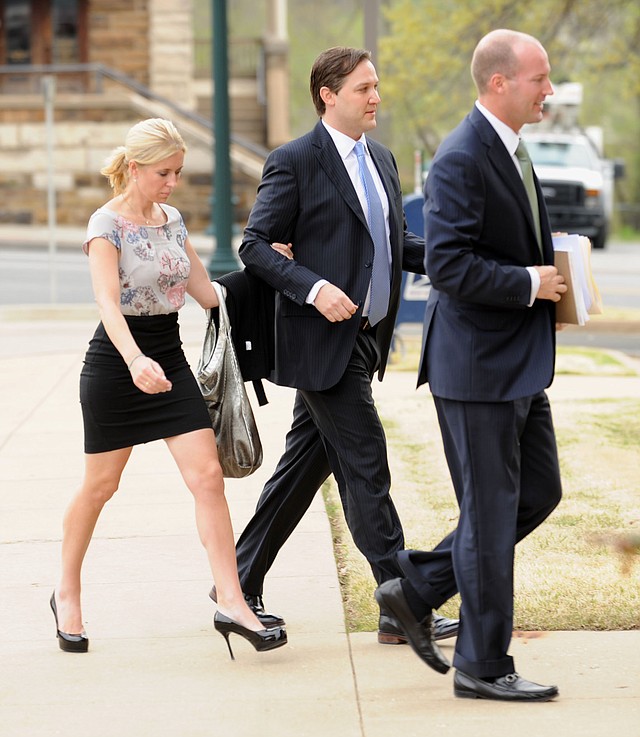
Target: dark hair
[{"x": 331, "y": 68}]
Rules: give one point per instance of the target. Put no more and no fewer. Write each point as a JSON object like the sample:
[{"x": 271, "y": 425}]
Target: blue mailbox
[{"x": 415, "y": 287}]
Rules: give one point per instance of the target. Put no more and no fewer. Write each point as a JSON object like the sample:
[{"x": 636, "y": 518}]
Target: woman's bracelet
[{"x": 134, "y": 359}]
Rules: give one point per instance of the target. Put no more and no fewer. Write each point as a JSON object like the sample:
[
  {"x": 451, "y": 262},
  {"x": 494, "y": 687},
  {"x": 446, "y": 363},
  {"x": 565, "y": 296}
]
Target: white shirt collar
[
  {"x": 345, "y": 144},
  {"x": 507, "y": 135}
]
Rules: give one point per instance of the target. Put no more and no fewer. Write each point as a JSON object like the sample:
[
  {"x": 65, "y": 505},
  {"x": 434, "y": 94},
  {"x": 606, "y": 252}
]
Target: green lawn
[{"x": 580, "y": 569}]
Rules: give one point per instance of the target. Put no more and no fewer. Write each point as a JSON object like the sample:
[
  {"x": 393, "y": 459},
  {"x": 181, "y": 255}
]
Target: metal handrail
[
  {"x": 245, "y": 57},
  {"x": 102, "y": 71}
]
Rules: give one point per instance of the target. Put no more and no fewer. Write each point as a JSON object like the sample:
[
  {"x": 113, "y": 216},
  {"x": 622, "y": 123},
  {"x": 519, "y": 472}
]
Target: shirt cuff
[
  {"x": 313, "y": 293},
  {"x": 535, "y": 283}
]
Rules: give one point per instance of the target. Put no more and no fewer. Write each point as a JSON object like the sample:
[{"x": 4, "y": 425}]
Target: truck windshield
[{"x": 560, "y": 153}]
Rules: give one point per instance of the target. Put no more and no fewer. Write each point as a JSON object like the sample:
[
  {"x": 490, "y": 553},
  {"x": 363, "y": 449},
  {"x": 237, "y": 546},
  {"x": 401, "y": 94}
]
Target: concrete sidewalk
[{"x": 156, "y": 667}]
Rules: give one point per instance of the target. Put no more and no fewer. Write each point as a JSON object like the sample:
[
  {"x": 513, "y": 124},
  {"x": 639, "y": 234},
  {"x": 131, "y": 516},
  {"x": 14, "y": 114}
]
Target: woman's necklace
[{"x": 134, "y": 213}]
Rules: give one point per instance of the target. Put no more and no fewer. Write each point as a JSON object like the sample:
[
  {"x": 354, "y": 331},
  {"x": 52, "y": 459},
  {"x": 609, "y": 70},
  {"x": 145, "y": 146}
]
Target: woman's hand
[
  {"x": 284, "y": 250},
  {"x": 148, "y": 375}
]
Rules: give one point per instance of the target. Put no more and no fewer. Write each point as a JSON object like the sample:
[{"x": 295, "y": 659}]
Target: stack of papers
[{"x": 573, "y": 261}]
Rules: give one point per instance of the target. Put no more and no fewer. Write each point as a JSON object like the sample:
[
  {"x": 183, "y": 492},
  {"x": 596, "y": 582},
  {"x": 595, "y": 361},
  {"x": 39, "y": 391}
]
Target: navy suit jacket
[
  {"x": 307, "y": 198},
  {"x": 481, "y": 340}
]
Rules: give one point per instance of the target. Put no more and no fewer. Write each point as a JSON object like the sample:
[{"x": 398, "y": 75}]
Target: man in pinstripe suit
[
  {"x": 488, "y": 355},
  {"x": 311, "y": 196}
]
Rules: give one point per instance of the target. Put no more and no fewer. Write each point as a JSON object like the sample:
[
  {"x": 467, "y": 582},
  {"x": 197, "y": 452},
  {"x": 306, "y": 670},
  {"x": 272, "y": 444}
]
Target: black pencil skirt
[{"x": 115, "y": 412}]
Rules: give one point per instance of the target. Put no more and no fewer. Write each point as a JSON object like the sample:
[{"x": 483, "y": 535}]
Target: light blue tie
[{"x": 380, "y": 272}]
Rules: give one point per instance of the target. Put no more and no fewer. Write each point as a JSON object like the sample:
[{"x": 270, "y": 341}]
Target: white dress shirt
[
  {"x": 511, "y": 139},
  {"x": 346, "y": 148}
]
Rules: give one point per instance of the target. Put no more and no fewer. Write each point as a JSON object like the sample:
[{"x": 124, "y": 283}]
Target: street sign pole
[
  {"x": 222, "y": 260},
  {"x": 49, "y": 91}
]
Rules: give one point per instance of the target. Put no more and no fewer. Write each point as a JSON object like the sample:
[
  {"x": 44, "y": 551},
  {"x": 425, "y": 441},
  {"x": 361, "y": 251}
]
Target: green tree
[
  {"x": 313, "y": 27},
  {"x": 426, "y": 51}
]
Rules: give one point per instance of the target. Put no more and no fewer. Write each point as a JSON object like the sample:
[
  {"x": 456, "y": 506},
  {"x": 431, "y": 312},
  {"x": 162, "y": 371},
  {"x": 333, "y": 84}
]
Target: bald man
[{"x": 488, "y": 356}]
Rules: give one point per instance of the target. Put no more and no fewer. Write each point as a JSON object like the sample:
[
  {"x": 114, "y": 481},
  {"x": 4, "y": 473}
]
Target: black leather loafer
[
  {"x": 506, "y": 688},
  {"x": 390, "y": 632},
  {"x": 444, "y": 628},
  {"x": 254, "y": 602},
  {"x": 390, "y": 598}
]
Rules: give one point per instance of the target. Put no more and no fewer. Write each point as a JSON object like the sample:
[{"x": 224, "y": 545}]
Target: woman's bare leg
[
  {"x": 197, "y": 458},
  {"x": 101, "y": 481}
]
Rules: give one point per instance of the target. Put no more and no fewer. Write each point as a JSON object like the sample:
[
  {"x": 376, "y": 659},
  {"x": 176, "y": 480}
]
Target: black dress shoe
[
  {"x": 390, "y": 632},
  {"x": 444, "y": 628},
  {"x": 390, "y": 597},
  {"x": 506, "y": 688},
  {"x": 254, "y": 602}
]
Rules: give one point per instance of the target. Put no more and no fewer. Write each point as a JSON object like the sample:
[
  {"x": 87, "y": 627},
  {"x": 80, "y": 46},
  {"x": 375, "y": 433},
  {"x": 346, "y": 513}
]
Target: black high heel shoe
[
  {"x": 68, "y": 643},
  {"x": 267, "y": 639}
]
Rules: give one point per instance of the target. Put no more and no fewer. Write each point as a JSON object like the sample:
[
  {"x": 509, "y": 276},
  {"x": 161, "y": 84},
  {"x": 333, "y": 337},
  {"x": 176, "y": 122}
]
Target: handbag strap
[
  {"x": 214, "y": 338},
  {"x": 224, "y": 327},
  {"x": 223, "y": 315}
]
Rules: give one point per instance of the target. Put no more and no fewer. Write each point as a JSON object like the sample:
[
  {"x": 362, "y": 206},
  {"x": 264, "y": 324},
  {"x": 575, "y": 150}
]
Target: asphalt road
[{"x": 29, "y": 276}]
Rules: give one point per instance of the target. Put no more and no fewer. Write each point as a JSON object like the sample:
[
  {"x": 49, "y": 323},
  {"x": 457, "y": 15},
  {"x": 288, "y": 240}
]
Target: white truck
[{"x": 577, "y": 182}]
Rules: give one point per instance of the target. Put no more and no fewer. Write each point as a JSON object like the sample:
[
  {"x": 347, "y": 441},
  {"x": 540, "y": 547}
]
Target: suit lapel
[
  {"x": 504, "y": 166},
  {"x": 545, "y": 230},
  {"x": 387, "y": 182},
  {"x": 388, "y": 176},
  {"x": 329, "y": 159}
]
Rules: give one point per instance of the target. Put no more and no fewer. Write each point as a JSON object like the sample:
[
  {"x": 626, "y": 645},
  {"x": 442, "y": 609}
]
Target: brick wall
[
  {"x": 84, "y": 135},
  {"x": 118, "y": 33},
  {"x": 171, "y": 54},
  {"x": 150, "y": 41}
]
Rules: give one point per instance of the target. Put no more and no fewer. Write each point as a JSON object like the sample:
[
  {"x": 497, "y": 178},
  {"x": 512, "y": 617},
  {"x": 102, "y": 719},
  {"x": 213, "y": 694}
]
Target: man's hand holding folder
[{"x": 573, "y": 261}]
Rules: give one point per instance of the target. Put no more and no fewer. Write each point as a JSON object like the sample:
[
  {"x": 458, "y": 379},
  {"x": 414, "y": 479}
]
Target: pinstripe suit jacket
[
  {"x": 481, "y": 340},
  {"x": 307, "y": 198}
]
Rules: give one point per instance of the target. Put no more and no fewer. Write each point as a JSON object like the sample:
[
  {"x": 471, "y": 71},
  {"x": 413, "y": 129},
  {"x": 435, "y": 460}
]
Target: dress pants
[
  {"x": 503, "y": 461},
  {"x": 337, "y": 431}
]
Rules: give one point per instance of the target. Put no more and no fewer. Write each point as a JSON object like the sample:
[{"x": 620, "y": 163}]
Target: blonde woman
[{"x": 136, "y": 385}]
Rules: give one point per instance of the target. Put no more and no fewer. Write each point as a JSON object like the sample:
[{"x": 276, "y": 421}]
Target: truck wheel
[{"x": 600, "y": 239}]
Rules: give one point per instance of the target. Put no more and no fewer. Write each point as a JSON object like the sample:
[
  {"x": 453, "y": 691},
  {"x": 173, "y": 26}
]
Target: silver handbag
[{"x": 222, "y": 386}]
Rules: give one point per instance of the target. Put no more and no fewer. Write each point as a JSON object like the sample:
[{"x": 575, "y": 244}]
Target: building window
[
  {"x": 17, "y": 31},
  {"x": 43, "y": 31},
  {"x": 34, "y": 32},
  {"x": 64, "y": 22}
]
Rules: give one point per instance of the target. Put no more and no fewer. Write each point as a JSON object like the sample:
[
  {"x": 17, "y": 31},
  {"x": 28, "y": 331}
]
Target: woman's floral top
[{"x": 154, "y": 267}]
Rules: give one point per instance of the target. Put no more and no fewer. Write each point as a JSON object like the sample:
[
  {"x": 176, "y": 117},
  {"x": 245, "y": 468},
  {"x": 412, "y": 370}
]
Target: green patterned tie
[{"x": 527, "y": 178}]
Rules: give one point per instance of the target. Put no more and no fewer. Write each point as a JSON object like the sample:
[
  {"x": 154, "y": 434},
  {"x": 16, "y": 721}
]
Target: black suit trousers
[
  {"x": 337, "y": 431},
  {"x": 504, "y": 466}
]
